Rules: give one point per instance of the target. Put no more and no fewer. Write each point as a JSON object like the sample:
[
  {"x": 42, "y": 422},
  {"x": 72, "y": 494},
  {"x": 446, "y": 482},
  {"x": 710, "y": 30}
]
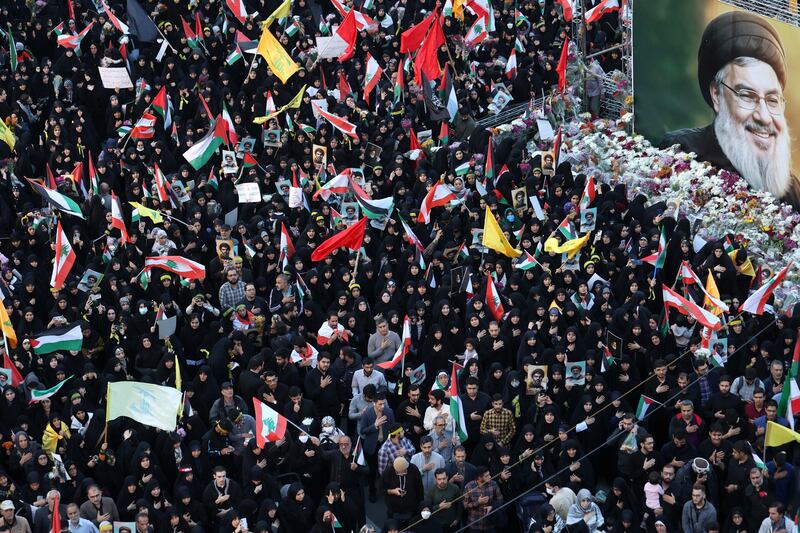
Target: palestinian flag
[
  {"x": 64, "y": 338},
  {"x": 493, "y": 301},
  {"x": 62, "y": 202},
  {"x": 463, "y": 252},
  {"x": 566, "y": 229},
  {"x": 456, "y": 407},
  {"x": 608, "y": 360},
  {"x": 462, "y": 169},
  {"x": 73, "y": 42},
  {"x": 372, "y": 208},
  {"x": 238, "y": 9},
  {"x": 402, "y": 350},
  {"x": 249, "y": 161},
  {"x": 270, "y": 425},
  {"x": 121, "y": 26},
  {"x": 12, "y": 51},
  {"x": 335, "y": 522},
  {"x": 644, "y": 406},
  {"x": 358, "y": 453},
  {"x": 16, "y": 378},
  {"x": 191, "y": 38},
  {"x": 185, "y": 268},
  {"x": 399, "y": 84},
  {"x": 234, "y": 56},
  {"x": 789, "y": 405},
  {"x": 444, "y": 134},
  {"x": 488, "y": 169},
  {"x": 162, "y": 105},
  {"x": 64, "y": 259},
  {"x": 526, "y": 262},
  {"x": 37, "y": 395},
  {"x": 204, "y": 149}
]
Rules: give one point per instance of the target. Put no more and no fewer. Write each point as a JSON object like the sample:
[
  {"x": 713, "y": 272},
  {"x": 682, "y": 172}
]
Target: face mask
[
  {"x": 303, "y": 438},
  {"x": 425, "y": 515},
  {"x": 514, "y": 384},
  {"x": 510, "y": 218},
  {"x": 142, "y": 310},
  {"x": 327, "y": 429}
]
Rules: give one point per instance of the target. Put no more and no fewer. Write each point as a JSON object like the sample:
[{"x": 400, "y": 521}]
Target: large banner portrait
[{"x": 718, "y": 81}]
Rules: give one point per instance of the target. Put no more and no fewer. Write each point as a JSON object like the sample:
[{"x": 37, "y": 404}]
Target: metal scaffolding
[{"x": 785, "y": 11}]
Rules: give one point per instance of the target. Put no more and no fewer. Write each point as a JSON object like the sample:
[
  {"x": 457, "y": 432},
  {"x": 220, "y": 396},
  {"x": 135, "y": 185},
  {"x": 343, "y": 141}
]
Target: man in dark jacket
[{"x": 402, "y": 487}]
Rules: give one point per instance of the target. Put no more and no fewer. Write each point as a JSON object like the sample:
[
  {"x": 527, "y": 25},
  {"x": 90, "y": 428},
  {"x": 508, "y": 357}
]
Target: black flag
[
  {"x": 436, "y": 109},
  {"x": 141, "y": 25}
]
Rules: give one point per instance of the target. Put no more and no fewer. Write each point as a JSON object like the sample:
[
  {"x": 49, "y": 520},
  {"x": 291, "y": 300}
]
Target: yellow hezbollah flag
[
  {"x": 6, "y": 135},
  {"x": 282, "y": 11},
  {"x": 570, "y": 247},
  {"x": 777, "y": 435},
  {"x": 293, "y": 104},
  {"x": 143, "y": 211},
  {"x": 458, "y": 9},
  {"x": 745, "y": 268},
  {"x": 6, "y": 326},
  {"x": 278, "y": 60},
  {"x": 148, "y": 404},
  {"x": 711, "y": 288},
  {"x": 493, "y": 238}
]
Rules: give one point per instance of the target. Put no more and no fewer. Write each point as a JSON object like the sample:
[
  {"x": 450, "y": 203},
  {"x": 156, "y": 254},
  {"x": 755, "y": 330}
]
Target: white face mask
[
  {"x": 515, "y": 384},
  {"x": 327, "y": 429},
  {"x": 425, "y": 515},
  {"x": 303, "y": 438}
]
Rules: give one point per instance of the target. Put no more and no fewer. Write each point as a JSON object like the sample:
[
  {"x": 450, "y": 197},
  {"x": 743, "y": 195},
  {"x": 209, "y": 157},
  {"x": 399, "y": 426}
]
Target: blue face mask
[
  {"x": 142, "y": 310},
  {"x": 510, "y": 218}
]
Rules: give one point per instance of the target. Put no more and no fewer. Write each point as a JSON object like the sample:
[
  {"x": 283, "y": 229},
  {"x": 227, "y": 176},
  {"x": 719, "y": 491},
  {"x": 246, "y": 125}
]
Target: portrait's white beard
[{"x": 766, "y": 172}]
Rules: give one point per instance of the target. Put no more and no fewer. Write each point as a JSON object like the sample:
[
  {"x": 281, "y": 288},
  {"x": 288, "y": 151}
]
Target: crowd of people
[{"x": 545, "y": 435}]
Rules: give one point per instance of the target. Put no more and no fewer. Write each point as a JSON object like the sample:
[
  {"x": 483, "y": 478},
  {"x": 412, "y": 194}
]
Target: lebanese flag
[
  {"x": 589, "y": 193},
  {"x": 226, "y": 118},
  {"x": 238, "y": 9},
  {"x": 372, "y": 76},
  {"x": 689, "y": 308},
  {"x": 477, "y": 33},
  {"x": 411, "y": 39},
  {"x": 493, "y": 301},
  {"x": 286, "y": 246},
  {"x": 597, "y": 12},
  {"x": 402, "y": 350},
  {"x": 116, "y": 218},
  {"x": 270, "y": 425},
  {"x": 756, "y": 302},
  {"x": 325, "y": 332},
  {"x": 348, "y": 31},
  {"x": 185, "y": 268},
  {"x": 566, "y": 5},
  {"x": 440, "y": 194},
  {"x": 338, "y": 185},
  {"x": 64, "y": 259},
  {"x": 688, "y": 277},
  {"x": 351, "y": 238},
  {"x": 144, "y": 127},
  {"x": 562, "y": 66},
  {"x": 511, "y": 65},
  {"x": 338, "y": 122}
]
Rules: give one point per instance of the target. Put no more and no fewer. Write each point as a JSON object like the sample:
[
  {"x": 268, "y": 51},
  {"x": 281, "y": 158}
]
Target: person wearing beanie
[{"x": 402, "y": 488}]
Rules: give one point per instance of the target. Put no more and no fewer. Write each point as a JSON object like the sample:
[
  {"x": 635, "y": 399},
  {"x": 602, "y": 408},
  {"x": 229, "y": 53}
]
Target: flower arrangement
[{"x": 722, "y": 200}]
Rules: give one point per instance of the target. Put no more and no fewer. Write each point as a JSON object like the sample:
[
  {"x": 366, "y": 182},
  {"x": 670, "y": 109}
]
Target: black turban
[{"x": 738, "y": 34}]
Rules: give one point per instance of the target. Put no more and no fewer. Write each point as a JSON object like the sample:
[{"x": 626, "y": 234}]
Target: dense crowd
[{"x": 549, "y": 374}]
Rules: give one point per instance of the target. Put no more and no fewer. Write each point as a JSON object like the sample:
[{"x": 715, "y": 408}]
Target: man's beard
[{"x": 765, "y": 172}]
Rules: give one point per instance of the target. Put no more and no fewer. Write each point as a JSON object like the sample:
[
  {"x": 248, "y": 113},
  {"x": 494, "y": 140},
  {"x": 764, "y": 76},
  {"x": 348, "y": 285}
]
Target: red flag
[
  {"x": 205, "y": 106},
  {"x": 562, "y": 66},
  {"x": 567, "y": 7},
  {"x": 348, "y": 32},
  {"x": 51, "y": 180},
  {"x": 16, "y": 377},
  {"x": 71, "y": 10},
  {"x": 198, "y": 27},
  {"x": 187, "y": 30},
  {"x": 427, "y": 59},
  {"x": 56, "y": 520},
  {"x": 411, "y": 39},
  {"x": 351, "y": 238},
  {"x": 344, "y": 86}
]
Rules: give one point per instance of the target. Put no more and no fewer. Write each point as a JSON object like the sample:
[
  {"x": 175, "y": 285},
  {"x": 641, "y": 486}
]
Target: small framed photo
[
  {"x": 576, "y": 373},
  {"x": 588, "y": 219},
  {"x": 520, "y": 197}
]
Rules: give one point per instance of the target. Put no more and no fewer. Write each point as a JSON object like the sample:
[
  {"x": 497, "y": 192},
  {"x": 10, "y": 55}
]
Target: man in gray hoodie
[{"x": 698, "y": 512}]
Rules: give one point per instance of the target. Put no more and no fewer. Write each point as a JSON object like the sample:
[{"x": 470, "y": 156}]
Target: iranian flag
[
  {"x": 402, "y": 350},
  {"x": 238, "y": 9},
  {"x": 644, "y": 406},
  {"x": 456, "y": 407},
  {"x": 657, "y": 259},
  {"x": 589, "y": 193},
  {"x": 689, "y": 308},
  {"x": 64, "y": 338},
  {"x": 789, "y": 405},
  {"x": 201, "y": 151},
  {"x": 64, "y": 259},
  {"x": 566, "y": 229},
  {"x": 270, "y": 425},
  {"x": 37, "y": 395},
  {"x": 372, "y": 76},
  {"x": 597, "y": 12},
  {"x": 62, "y": 202},
  {"x": 493, "y": 300},
  {"x": 340, "y": 184},
  {"x": 338, "y": 122},
  {"x": 439, "y": 195},
  {"x": 756, "y": 302},
  {"x": 116, "y": 218},
  {"x": 477, "y": 32},
  {"x": 185, "y": 268},
  {"x": 226, "y": 117}
]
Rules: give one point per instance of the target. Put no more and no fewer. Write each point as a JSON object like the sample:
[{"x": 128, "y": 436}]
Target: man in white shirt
[{"x": 436, "y": 407}]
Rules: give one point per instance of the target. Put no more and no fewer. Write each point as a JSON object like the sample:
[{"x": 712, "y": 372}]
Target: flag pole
[{"x": 358, "y": 441}]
